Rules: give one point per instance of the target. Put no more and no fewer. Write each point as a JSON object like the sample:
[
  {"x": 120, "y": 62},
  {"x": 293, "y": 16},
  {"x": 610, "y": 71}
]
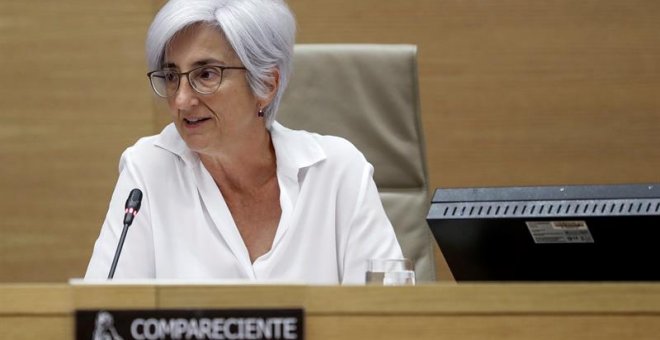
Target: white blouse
[{"x": 332, "y": 218}]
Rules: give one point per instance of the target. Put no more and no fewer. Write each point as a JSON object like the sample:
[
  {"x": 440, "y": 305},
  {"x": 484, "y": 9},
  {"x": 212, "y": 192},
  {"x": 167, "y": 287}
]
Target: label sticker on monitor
[{"x": 560, "y": 231}]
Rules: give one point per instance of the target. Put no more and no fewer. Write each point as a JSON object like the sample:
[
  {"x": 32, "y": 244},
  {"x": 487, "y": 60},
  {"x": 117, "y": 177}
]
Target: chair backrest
[{"x": 369, "y": 95}]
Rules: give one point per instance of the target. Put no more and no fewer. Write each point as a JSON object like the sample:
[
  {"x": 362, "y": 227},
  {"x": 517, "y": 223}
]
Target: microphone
[{"x": 132, "y": 207}]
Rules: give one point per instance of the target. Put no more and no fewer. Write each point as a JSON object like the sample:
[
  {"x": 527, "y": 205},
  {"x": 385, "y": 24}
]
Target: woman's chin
[{"x": 197, "y": 143}]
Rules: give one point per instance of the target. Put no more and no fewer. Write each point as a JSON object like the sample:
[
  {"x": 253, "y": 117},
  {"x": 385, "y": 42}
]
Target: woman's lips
[{"x": 195, "y": 121}]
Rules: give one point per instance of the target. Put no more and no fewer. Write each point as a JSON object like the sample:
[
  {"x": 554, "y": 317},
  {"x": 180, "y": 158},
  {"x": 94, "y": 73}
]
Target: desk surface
[{"x": 457, "y": 311}]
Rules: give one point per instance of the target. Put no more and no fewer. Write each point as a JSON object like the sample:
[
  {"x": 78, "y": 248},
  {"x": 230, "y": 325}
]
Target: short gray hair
[{"x": 261, "y": 32}]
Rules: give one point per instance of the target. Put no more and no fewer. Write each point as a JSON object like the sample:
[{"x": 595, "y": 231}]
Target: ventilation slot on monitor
[{"x": 619, "y": 207}]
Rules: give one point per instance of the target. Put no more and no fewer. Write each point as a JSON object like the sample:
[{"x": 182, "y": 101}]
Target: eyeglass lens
[{"x": 204, "y": 80}]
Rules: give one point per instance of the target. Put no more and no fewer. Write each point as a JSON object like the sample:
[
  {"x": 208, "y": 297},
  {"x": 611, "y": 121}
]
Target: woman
[{"x": 228, "y": 192}]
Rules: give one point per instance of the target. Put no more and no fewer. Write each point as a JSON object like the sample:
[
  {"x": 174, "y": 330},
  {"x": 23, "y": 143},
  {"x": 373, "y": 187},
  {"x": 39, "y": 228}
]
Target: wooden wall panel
[
  {"x": 73, "y": 96},
  {"x": 521, "y": 92},
  {"x": 513, "y": 92}
]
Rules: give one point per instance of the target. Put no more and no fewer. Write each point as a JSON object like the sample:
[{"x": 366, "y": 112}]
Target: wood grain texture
[
  {"x": 445, "y": 298},
  {"x": 36, "y": 311},
  {"x": 74, "y": 96},
  {"x": 35, "y": 299},
  {"x": 29, "y": 327},
  {"x": 465, "y": 311},
  {"x": 468, "y": 327},
  {"x": 134, "y": 296},
  {"x": 521, "y": 92}
]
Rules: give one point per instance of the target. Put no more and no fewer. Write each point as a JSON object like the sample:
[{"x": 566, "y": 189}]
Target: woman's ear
[{"x": 272, "y": 84}]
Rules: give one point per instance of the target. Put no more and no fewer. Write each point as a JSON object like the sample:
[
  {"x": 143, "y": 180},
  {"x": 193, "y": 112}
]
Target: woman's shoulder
[
  {"x": 334, "y": 150},
  {"x": 337, "y": 147}
]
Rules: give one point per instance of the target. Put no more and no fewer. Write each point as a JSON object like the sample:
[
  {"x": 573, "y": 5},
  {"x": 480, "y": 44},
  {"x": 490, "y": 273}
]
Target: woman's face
[{"x": 217, "y": 122}]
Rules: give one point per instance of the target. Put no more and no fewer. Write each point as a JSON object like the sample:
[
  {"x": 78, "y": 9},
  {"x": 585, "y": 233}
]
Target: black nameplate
[{"x": 238, "y": 324}]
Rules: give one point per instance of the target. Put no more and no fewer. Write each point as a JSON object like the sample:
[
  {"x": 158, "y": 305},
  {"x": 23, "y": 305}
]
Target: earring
[{"x": 260, "y": 113}]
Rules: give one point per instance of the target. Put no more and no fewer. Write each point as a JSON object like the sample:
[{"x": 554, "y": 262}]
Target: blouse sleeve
[
  {"x": 137, "y": 255},
  {"x": 371, "y": 234}
]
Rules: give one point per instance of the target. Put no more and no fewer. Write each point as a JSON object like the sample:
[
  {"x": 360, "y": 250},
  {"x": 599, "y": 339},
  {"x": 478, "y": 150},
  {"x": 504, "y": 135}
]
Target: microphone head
[
  {"x": 134, "y": 200},
  {"x": 132, "y": 206}
]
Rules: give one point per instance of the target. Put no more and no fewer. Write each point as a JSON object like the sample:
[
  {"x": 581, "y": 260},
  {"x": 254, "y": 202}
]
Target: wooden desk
[{"x": 450, "y": 311}]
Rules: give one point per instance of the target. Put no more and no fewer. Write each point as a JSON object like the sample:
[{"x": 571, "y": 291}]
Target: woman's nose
[{"x": 185, "y": 96}]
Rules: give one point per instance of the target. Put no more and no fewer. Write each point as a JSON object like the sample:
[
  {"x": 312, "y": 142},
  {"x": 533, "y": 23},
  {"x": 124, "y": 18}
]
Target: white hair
[{"x": 261, "y": 32}]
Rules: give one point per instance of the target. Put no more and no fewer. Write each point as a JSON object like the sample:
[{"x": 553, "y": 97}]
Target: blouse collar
[{"x": 294, "y": 149}]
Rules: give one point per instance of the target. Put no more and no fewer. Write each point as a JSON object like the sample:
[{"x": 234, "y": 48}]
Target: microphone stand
[{"x": 113, "y": 267}]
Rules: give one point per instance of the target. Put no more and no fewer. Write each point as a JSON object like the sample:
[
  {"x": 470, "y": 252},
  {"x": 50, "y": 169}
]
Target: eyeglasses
[{"x": 204, "y": 79}]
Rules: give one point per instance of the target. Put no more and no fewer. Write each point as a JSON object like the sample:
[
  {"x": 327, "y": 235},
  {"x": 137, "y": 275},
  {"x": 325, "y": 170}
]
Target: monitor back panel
[{"x": 578, "y": 233}]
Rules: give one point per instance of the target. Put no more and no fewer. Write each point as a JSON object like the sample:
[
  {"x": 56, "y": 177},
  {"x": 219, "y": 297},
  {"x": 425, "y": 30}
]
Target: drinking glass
[{"x": 390, "y": 272}]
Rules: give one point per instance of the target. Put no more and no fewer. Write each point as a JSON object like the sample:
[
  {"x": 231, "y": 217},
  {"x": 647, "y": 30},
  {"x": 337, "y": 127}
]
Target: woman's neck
[{"x": 244, "y": 166}]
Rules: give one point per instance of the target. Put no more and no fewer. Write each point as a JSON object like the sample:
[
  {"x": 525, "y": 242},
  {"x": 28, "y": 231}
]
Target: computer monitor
[{"x": 549, "y": 233}]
